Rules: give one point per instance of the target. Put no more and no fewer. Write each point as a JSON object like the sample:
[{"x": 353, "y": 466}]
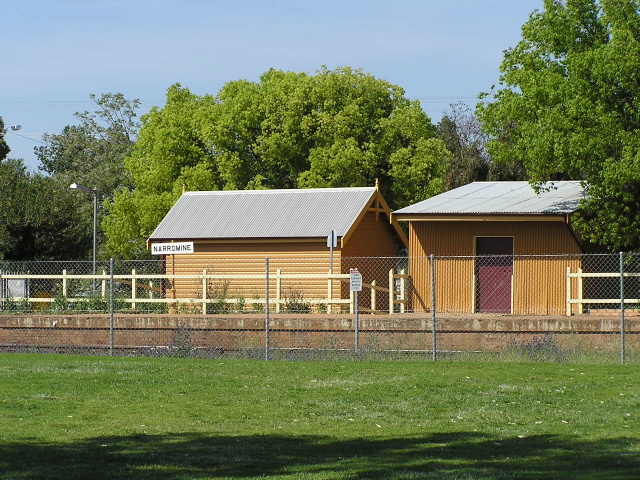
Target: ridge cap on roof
[
  {"x": 523, "y": 181},
  {"x": 280, "y": 190}
]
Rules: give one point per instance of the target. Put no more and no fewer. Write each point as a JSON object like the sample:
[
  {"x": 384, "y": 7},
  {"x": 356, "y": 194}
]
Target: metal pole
[
  {"x": 622, "y": 312},
  {"x": 266, "y": 322},
  {"x": 95, "y": 235},
  {"x": 434, "y": 330},
  {"x": 331, "y": 240},
  {"x": 357, "y": 329},
  {"x": 111, "y": 304},
  {"x": 95, "y": 192}
]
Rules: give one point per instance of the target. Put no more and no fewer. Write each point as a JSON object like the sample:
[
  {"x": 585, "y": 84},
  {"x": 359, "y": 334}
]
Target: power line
[{"x": 24, "y": 136}]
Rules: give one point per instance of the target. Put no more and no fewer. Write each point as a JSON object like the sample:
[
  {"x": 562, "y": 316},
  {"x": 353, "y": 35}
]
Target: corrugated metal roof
[
  {"x": 502, "y": 198},
  {"x": 305, "y": 213}
]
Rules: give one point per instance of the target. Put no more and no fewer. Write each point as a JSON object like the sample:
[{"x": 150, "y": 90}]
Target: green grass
[{"x": 73, "y": 417}]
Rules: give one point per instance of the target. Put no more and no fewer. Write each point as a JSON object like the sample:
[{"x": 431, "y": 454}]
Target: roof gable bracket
[{"x": 377, "y": 205}]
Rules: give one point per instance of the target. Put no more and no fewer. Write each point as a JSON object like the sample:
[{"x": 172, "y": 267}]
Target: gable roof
[
  {"x": 499, "y": 198},
  {"x": 266, "y": 214}
]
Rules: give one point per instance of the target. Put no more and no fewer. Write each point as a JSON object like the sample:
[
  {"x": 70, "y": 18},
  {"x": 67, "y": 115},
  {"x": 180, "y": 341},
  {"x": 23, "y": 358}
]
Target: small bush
[
  {"x": 60, "y": 303},
  {"x": 257, "y": 307},
  {"x": 218, "y": 292},
  {"x": 22, "y": 305},
  {"x": 294, "y": 302},
  {"x": 93, "y": 303},
  {"x": 241, "y": 303}
]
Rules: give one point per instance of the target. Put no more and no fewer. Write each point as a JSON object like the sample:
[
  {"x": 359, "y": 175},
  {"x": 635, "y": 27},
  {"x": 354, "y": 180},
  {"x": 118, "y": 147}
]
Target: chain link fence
[{"x": 579, "y": 308}]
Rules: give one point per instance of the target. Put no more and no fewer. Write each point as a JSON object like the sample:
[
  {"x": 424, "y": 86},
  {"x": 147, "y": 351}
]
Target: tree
[
  {"x": 38, "y": 219},
  {"x": 336, "y": 128},
  {"x": 93, "y": 152},
  {"x": 568, "y": 107},
  {"x": 463, "y": 136},
  {"x": 4, "y": 148}
]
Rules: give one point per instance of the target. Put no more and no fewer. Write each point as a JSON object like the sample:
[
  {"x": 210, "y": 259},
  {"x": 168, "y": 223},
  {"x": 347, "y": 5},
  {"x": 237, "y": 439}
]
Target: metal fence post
[
  {"x": 266, "y": 309},
  {"x": 357, "y": 325},
  {"x": 111, "y": 304},
  {"x": 434, "y": 329},
  {"x": 622, "y": 312}
]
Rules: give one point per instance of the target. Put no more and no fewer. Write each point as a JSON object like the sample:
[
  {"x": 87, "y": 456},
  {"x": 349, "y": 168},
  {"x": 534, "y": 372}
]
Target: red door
[{"x": 494, "y": 269}]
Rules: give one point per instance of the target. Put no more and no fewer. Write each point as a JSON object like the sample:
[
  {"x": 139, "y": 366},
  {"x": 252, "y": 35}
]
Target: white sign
[
  {"x": 355, "y": 284},
  {"x": 171, "y": 248},
  {"x": 332, "y": 239}
]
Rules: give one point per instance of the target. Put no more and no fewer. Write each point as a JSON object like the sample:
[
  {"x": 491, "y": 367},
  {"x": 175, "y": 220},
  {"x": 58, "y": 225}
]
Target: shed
[
  {"x": 499, "y": 247},
  {"x": 235, "y": 231}
]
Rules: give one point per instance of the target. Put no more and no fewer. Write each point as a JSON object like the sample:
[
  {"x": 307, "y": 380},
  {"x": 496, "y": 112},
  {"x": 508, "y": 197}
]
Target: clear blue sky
[{"x": 55, "y": 54}]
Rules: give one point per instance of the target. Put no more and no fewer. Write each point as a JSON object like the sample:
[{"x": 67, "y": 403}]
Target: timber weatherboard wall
[
  {"x": 449, "y": 226},
  {"x": 542, "y": 253},
  {"x": 370, "y": 233}
]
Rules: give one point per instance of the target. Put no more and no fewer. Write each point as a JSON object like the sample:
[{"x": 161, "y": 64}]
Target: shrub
[{"x": 294, "y": 301}]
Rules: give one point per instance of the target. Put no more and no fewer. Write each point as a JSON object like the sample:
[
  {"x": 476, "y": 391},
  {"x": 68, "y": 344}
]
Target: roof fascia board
[
  {"x": 480, "y": 218},
  {"x": 394, "y": 223},
  {"x": 354, "y": 225}
]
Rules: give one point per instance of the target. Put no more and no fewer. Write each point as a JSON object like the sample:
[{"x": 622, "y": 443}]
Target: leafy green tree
[
  {"x": 38, "y": 217},
  {"x": 93, "y": 152},
  {"x": 568, "y": 107},
  {"x": 336, "y": 128},
  {"x": 4, "y": 148}
]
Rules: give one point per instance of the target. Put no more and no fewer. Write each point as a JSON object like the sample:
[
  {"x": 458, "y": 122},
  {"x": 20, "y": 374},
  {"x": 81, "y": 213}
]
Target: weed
[
  {"x": 22, "y": 305},
  {"x": 218, "y": 293},
  {"x": 182, "y": 345},
  {"x": 294, "y": 301},
  {"x": 93, "y": 303},
  {"x": 241, "y": 303},
  {"x": 60, "y": 303},
  {"x": 257, "y": 307}
]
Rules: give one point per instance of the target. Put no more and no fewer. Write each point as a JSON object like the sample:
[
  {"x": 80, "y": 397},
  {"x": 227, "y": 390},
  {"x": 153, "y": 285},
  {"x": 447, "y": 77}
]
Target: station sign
[{"x": 176, "y": 248}]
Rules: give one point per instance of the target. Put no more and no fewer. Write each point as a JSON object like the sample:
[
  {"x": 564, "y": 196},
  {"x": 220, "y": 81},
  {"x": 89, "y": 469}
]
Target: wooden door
[{"x": 494, "y": 272}]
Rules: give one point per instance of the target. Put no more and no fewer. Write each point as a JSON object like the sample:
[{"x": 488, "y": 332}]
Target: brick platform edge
[{"x": 409, "y": 332}]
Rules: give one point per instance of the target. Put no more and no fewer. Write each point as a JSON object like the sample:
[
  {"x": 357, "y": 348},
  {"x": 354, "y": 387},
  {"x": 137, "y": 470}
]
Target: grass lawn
[{"x": 71, "y": 417}]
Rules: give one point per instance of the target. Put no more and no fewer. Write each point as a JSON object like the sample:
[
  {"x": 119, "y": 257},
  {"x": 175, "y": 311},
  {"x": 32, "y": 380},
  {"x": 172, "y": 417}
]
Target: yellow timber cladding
[
  {"x": 298, "y": 267},
  {"x": 542, "y": 252}
]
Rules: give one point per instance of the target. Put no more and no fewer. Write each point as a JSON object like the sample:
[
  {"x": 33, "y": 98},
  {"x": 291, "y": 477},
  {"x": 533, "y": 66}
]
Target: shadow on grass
[{"x": 460, "y": 455}]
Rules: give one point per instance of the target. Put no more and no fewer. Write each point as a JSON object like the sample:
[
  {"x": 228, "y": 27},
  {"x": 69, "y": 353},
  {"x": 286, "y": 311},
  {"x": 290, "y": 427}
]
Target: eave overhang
[{"x": 542, "y": 217}]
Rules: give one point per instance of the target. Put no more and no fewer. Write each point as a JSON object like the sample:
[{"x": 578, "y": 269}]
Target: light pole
[{"x": 95, "y": 191}]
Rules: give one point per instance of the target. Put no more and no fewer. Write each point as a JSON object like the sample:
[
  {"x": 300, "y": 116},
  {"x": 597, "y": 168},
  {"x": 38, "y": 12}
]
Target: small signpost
[
  {"x": 355, "y": 285},
  {"x": 332, "y": 242}
]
